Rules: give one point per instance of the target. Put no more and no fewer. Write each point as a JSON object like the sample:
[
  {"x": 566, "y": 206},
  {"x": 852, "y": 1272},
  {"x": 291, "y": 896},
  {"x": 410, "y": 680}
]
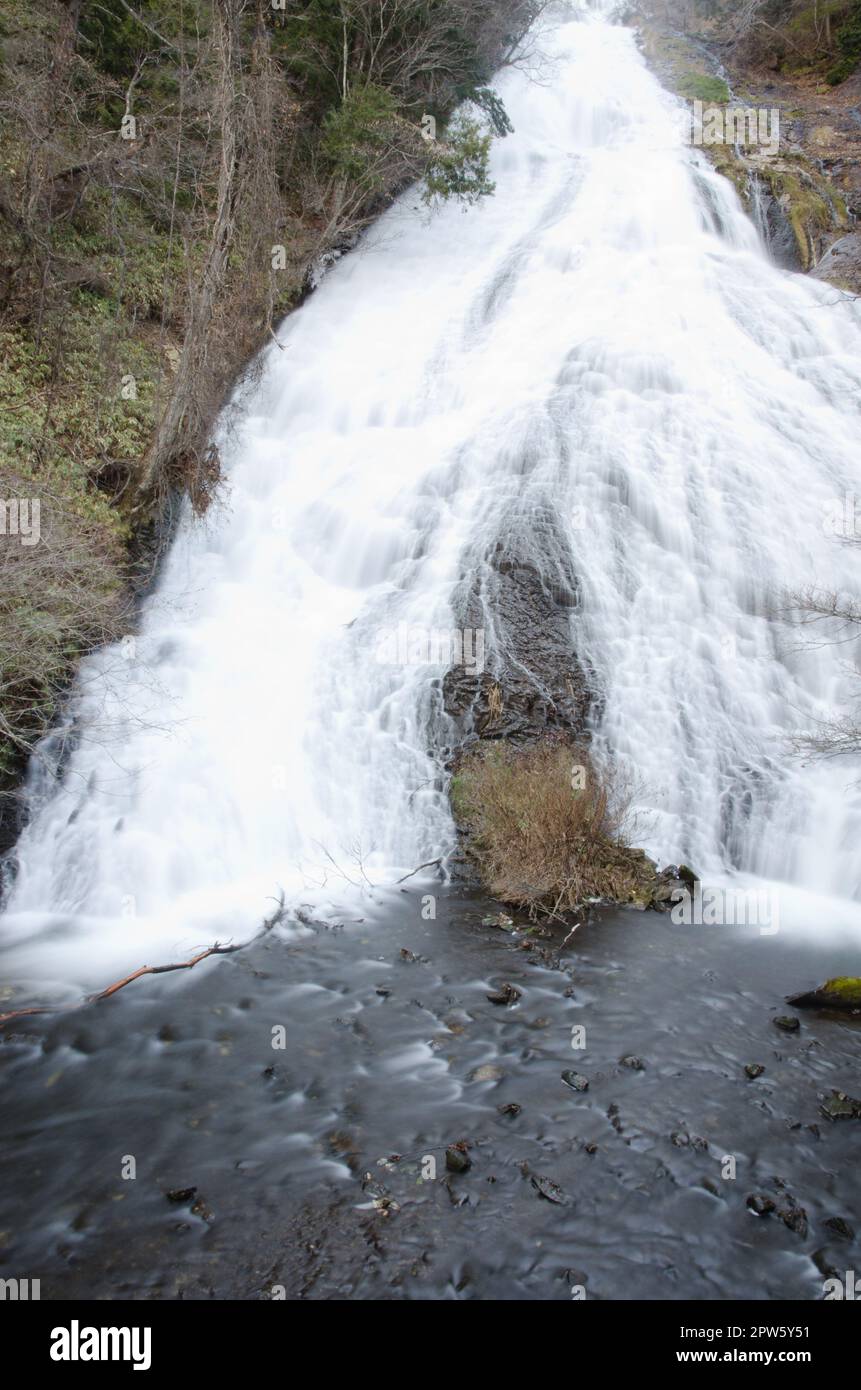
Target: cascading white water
[{"x": 605, "y": 337}]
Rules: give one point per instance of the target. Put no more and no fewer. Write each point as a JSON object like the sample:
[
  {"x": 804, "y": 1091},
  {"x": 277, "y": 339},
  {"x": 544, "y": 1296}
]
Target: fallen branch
[
  {"x": 431, "y": 864},
  {"x": 214, "y": 950}
]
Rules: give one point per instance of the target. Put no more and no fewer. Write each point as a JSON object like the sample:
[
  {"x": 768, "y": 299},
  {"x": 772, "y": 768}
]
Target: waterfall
[{"x": 605, "y": 338}]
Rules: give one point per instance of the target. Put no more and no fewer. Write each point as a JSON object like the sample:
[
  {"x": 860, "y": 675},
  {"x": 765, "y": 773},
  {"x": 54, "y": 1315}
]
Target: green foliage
[
  {"x": 849, "y": 46},
  {"x": 492, "y": 106},
  {"x": 696, "y": 86},
  {"x": 358, "y": 132},
  {"x": 112, "y": 37},
  {"x": 459, "y": 166}
]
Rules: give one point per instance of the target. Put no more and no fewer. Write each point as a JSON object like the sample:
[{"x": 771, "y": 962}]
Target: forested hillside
[
  {"x": 172, "y": 172},
  {"x": 785, "y": 34}
]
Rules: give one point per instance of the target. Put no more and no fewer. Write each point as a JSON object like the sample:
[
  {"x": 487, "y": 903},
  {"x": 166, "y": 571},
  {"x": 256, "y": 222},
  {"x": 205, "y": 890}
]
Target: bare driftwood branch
[
  {"x": 431, "y": 864},
  {"x": 216, "y": 949}
]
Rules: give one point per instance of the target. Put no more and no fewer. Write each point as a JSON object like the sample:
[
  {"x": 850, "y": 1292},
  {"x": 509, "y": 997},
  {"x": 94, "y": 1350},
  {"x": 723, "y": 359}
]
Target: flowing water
[{"x": 604, "y": 342}]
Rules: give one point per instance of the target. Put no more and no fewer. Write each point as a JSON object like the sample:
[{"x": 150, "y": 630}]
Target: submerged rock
[
  {"x": 838, "y": 1227},
  {"x": 181, "y": 1194},
  {"x": 506, "y": 994},
  {"x": 550, "y": 1191},
  {"x": 760, "y": 1205},
  {"x": 753, "y": 1070},
  {"x": 575, "y": 1080},
  {"x": 488, "y": 1072},
  {"x": 787, "y": 1023},
  {"x": 457, "y": 1159},
  {"x": 839, "y": 1106}
]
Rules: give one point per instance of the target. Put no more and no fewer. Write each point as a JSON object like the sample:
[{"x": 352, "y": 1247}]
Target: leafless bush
[{"x": 546, "y": 828}]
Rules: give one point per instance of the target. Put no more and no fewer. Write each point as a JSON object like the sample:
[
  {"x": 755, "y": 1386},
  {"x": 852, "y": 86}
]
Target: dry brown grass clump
[{"x": 546, "y": 829}]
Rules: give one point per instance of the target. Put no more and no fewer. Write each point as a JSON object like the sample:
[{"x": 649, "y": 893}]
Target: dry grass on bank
[{"x": 546, "y": 829}]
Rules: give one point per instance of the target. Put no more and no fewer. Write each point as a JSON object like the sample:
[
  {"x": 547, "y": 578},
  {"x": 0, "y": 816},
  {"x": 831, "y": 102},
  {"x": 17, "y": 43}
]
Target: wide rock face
[
  {"x": 841, "y": 264},
  {"x": 522, "y": 595}
]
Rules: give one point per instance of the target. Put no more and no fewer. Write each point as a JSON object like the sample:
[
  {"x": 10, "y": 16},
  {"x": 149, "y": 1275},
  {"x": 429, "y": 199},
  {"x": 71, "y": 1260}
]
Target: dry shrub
[{"x": 546, "y": 829}]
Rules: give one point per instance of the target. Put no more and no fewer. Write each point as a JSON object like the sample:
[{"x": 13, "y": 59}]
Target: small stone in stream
[
  {"x": 386, "y": 1206},
  {"x": 268, "y": 1071},
  {"x": 408, "y": 955},
  {"x": 787, "y": 1022},
  {"x": 457, "y": 1159},
  {"x": 795, "y": 1217},
  {"x": 199, "y": 1208},
  {"x": 383, "y": 991},
  {"x": 839, "y": 1227},
  {"x": 506, "y": 994},
  {"x": 698, "y": 1143},
  {"x": 457, "y": 1199},
  {"x": 569, "y": 993},
  {"x": 633, "y": 1063},
  {"x": 839, "y": 1106},
  {"x": 575, "y": 1080},
  {"x": 591, "y": 1148},
  {"x": 753, "y": 1070},
  {"x": 486, "y": 1073},
  {"x": 760, "y": 1205},
  {"x": 181, "y": 1194},
  {"x": 511, "y": 1108},
  {"x": 551, "y": 1191},
  {"x": 680, "y": 1139}
]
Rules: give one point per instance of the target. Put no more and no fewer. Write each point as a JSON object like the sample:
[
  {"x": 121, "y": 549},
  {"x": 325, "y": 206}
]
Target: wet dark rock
[
  {"x": 838, "y": 1106},
  {"x": 488, "y": 1072},
  {"x": 526, "y": 584},
  {"x": 383, "y": 991},
  {"x": 787, "y": 1023},
  {"x": 457, "y": 1159},
  {"x": 842, "y": 993},
  {"x": 841, "y": 264},
  {"x": 499, "y": 920},
  {"x": 633, "y": 1063},
  {"x": 506, "y": 994},
  {"x": 753, "y": 1070},
  {"x": 688, "y": 877},
  {"x": 838, "y": 1227},
  {"x": 575, "y": 1080},
  {"x": 550, "y": 1191},
  {"x": 181, "y": 1194},
  {"x": 512, "y": 1108},
  {"x": 760, "y": 1205},
  {"x": 409, "y": 956},
  {"x": 794, "y": 1217},
  {"x": 590, "y": 1148},
  {"x": 199, "y": 1208}
]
